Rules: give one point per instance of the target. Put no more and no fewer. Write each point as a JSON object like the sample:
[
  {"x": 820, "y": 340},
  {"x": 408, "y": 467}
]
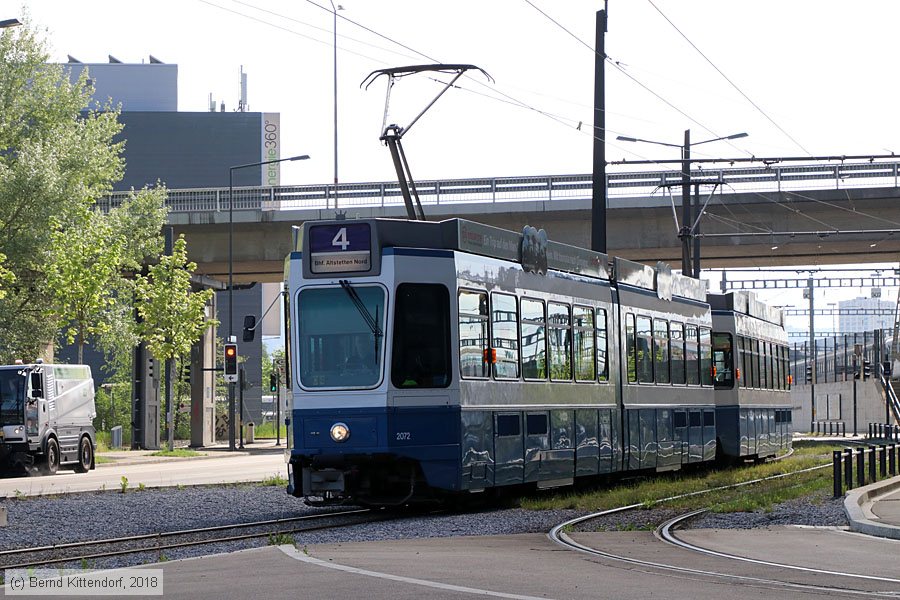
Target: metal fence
[
  {"x": 834, "y": 357},
  {"x": 496, "y": 190}
]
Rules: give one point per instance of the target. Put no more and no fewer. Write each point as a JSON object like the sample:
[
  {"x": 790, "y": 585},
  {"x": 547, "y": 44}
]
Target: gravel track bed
[
  {"x": 819, "y": 510},
  {"x": 77, "y": 517}
]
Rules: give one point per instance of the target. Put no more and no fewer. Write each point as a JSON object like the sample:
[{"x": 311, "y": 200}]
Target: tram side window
[
  {"x": 421, "y": 355},
  {"x": 691, "y": 354},
  {"x": 705, "y": 356},
  {"x": 782, "y": 372},
  {"x": 644, "y": 354},
  {"x": 536, "y": 424},
  {"x": 786, "y": 361},
  {"x": 583, "y": 343},
  {"x": 678, "y": 364},
  {"x": 473, "y": 334},
  {"x": 764, "y": 372},
  {"x": 770, "y": 366},
  {"x": 505, "y": 327},
  {"x": 508, "y": 425},
  {"x": 560, "y": 335},
  {"x": 754, "y": 362},
  {"x": 631, "y": 348},
  {"x": 776, "y": 366},
  {"x": 723, "y": 360},
  {"x": 661, "y": 350},
  {"x": 747, "y": 376},
  {"x": 602, "y": 362},
  {"x": 534, "y": 339}
]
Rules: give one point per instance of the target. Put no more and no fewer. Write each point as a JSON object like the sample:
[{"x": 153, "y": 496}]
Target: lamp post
[
  {"x": 334, "y": 10},
  {"x": 231, "y": 171},
  {"x": 9, "y": 23},
  {"x": 685, "y": 234}
]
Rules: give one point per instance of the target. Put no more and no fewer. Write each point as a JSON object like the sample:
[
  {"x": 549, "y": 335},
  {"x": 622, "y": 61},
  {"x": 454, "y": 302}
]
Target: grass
[
  {"x": 758, "y": 496},
  {"x": 178, "y": 452},
  {"x": 280, "y": 539},
  {"x": 274, "y": 481},
  {"x": 267, "y": 431}
]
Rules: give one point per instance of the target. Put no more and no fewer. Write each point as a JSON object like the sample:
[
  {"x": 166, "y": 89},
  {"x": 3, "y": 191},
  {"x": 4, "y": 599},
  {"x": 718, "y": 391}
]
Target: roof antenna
[{"x": 392, "y": 134}]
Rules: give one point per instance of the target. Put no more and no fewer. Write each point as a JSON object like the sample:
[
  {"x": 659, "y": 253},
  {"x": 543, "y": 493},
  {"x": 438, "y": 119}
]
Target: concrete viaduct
[{"x": 757, "y": 216}]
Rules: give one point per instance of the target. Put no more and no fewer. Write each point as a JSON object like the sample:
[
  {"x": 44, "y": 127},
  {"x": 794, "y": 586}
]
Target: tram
[{"x": 431, "y": 360}]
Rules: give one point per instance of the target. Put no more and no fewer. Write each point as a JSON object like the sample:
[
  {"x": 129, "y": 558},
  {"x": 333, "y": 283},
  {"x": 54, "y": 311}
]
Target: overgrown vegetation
[
  {"x": 274, "y": 481},
  {"x": 757, "y": 496},
  {"x": 178, "y": 452},
  {"x": 280, "y": 539}
]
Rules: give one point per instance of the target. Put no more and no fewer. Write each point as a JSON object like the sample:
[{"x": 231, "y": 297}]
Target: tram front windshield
[
  {"x": 12, "y": 397},
  {"x": 341, "y": 336}
]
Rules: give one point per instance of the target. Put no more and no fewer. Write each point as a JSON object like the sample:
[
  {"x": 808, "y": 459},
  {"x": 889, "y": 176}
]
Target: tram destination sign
[{"x": 340, "y": 248}]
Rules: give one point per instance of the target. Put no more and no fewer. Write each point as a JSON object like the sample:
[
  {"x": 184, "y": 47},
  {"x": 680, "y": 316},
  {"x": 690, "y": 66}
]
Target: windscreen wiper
[{"x": 371, "y": 321}]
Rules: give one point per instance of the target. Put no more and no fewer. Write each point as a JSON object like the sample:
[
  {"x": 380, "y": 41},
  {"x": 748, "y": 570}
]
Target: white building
[{"x": 849, "y": 323}]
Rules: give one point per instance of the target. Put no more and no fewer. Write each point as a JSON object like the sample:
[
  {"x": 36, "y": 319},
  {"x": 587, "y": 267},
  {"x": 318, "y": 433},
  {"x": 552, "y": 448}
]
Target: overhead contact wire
[{"x": 734, "y": 85}]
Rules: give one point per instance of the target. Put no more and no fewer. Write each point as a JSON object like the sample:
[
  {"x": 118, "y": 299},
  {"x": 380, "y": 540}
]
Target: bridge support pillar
[{"x": 203, "y": 386}]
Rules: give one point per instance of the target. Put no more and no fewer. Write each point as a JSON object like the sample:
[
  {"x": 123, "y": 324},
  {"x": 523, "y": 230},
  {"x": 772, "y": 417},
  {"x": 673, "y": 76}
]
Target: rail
[{"x": 547, "y": 188}]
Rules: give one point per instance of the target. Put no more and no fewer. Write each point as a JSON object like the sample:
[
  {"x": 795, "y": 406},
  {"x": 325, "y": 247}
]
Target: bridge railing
[{"x": 529, "y": 188}]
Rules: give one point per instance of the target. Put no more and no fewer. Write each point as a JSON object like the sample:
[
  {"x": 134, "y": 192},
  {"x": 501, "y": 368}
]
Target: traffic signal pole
[
  {"x": 230, "y": 363},
  {"x": 812, "y": 348}
]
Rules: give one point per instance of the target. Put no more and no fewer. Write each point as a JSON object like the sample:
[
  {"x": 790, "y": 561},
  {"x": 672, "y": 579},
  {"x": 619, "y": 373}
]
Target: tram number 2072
[{"x": 404, "y": 436}]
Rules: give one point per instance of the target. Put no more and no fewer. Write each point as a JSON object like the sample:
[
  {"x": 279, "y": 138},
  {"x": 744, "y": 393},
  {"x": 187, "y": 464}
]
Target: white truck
[{"x": 46, "y": 414}]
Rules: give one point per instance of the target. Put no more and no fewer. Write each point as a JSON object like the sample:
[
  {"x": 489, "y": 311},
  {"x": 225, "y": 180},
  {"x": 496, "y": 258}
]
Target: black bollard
[
  {"x": 861, "y": 468},
  {"x": 836, "y": 473},
  {"x": 892, "y": 459},
  {"x": 848, "y": 468},
  {"x": 882, "y": 460},
  {"x": 872, "y": 459}
]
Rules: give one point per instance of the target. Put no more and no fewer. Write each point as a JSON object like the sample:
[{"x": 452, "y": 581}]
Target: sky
[{"x": 802, "y": 78}]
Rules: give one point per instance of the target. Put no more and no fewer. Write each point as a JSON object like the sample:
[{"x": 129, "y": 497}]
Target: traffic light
[
  {"x": 231, "y": 363},
  {"x": 867, "y": 368},
  {"x": 186, "y": 373},
  {"x": 808, "y": 373},
  {"x": 273, "y": 383},
  {"x": 151, "y": 368}
]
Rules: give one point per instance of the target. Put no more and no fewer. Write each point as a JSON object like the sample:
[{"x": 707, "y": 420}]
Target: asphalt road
[
  {"x": 530, "y": 566},
  {"x": 217, "y": 467}
]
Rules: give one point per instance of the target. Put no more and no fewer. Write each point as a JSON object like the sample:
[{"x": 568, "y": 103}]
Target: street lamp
[
  {"x": 685, "y": 234},
  {"x": 334, "y": 10},
  {"x": 231, "y": 171},
  {"x": 9, "y": 23}
]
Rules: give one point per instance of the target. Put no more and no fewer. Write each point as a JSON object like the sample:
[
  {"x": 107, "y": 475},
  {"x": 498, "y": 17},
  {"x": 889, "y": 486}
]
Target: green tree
[
  {"x": 59, "y": 157},
  {"x": 90, "y": 265},
  {"x": 174, "y": 316},
  {"x": 83, "y": 268}
]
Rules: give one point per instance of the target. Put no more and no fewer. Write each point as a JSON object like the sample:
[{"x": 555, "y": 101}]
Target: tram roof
[
  {"x": 531, "y": 248},
  {"x": 746, "y": 302}
]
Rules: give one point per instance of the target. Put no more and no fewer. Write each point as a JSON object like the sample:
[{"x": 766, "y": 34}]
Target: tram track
[
  {"x": 81, "y": 551},
  {"x": 779, "y": 577}
]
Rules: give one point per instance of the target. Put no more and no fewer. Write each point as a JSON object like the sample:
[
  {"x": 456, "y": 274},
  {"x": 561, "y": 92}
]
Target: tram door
[
  {"x": 537, "y": 443},
  {"x": 508, "y": 444}
]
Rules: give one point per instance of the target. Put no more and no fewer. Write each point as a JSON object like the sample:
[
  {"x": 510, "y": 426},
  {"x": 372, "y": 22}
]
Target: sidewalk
[
  {"x": 875, "y": 509},
  {"x": 220, "y": 450}
]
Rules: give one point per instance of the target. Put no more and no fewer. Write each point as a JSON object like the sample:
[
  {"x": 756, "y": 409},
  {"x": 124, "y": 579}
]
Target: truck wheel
[
  {"x": 85, "y": 456},
  {"x": 51, "y": 462}
]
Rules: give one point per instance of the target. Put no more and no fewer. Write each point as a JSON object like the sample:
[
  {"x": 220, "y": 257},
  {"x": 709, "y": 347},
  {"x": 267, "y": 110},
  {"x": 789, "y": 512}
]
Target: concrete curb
[{"x": 858, "y": 508}]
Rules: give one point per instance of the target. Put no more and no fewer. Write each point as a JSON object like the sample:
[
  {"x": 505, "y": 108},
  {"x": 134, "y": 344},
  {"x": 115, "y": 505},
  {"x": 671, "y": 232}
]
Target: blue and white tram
[
  {"x": 434, "y": 359},
  {"x": 752, "y": 377}
]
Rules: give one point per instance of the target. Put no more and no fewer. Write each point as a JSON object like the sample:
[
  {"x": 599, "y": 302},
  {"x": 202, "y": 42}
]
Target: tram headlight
[{"x": 340, "y": 432}]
